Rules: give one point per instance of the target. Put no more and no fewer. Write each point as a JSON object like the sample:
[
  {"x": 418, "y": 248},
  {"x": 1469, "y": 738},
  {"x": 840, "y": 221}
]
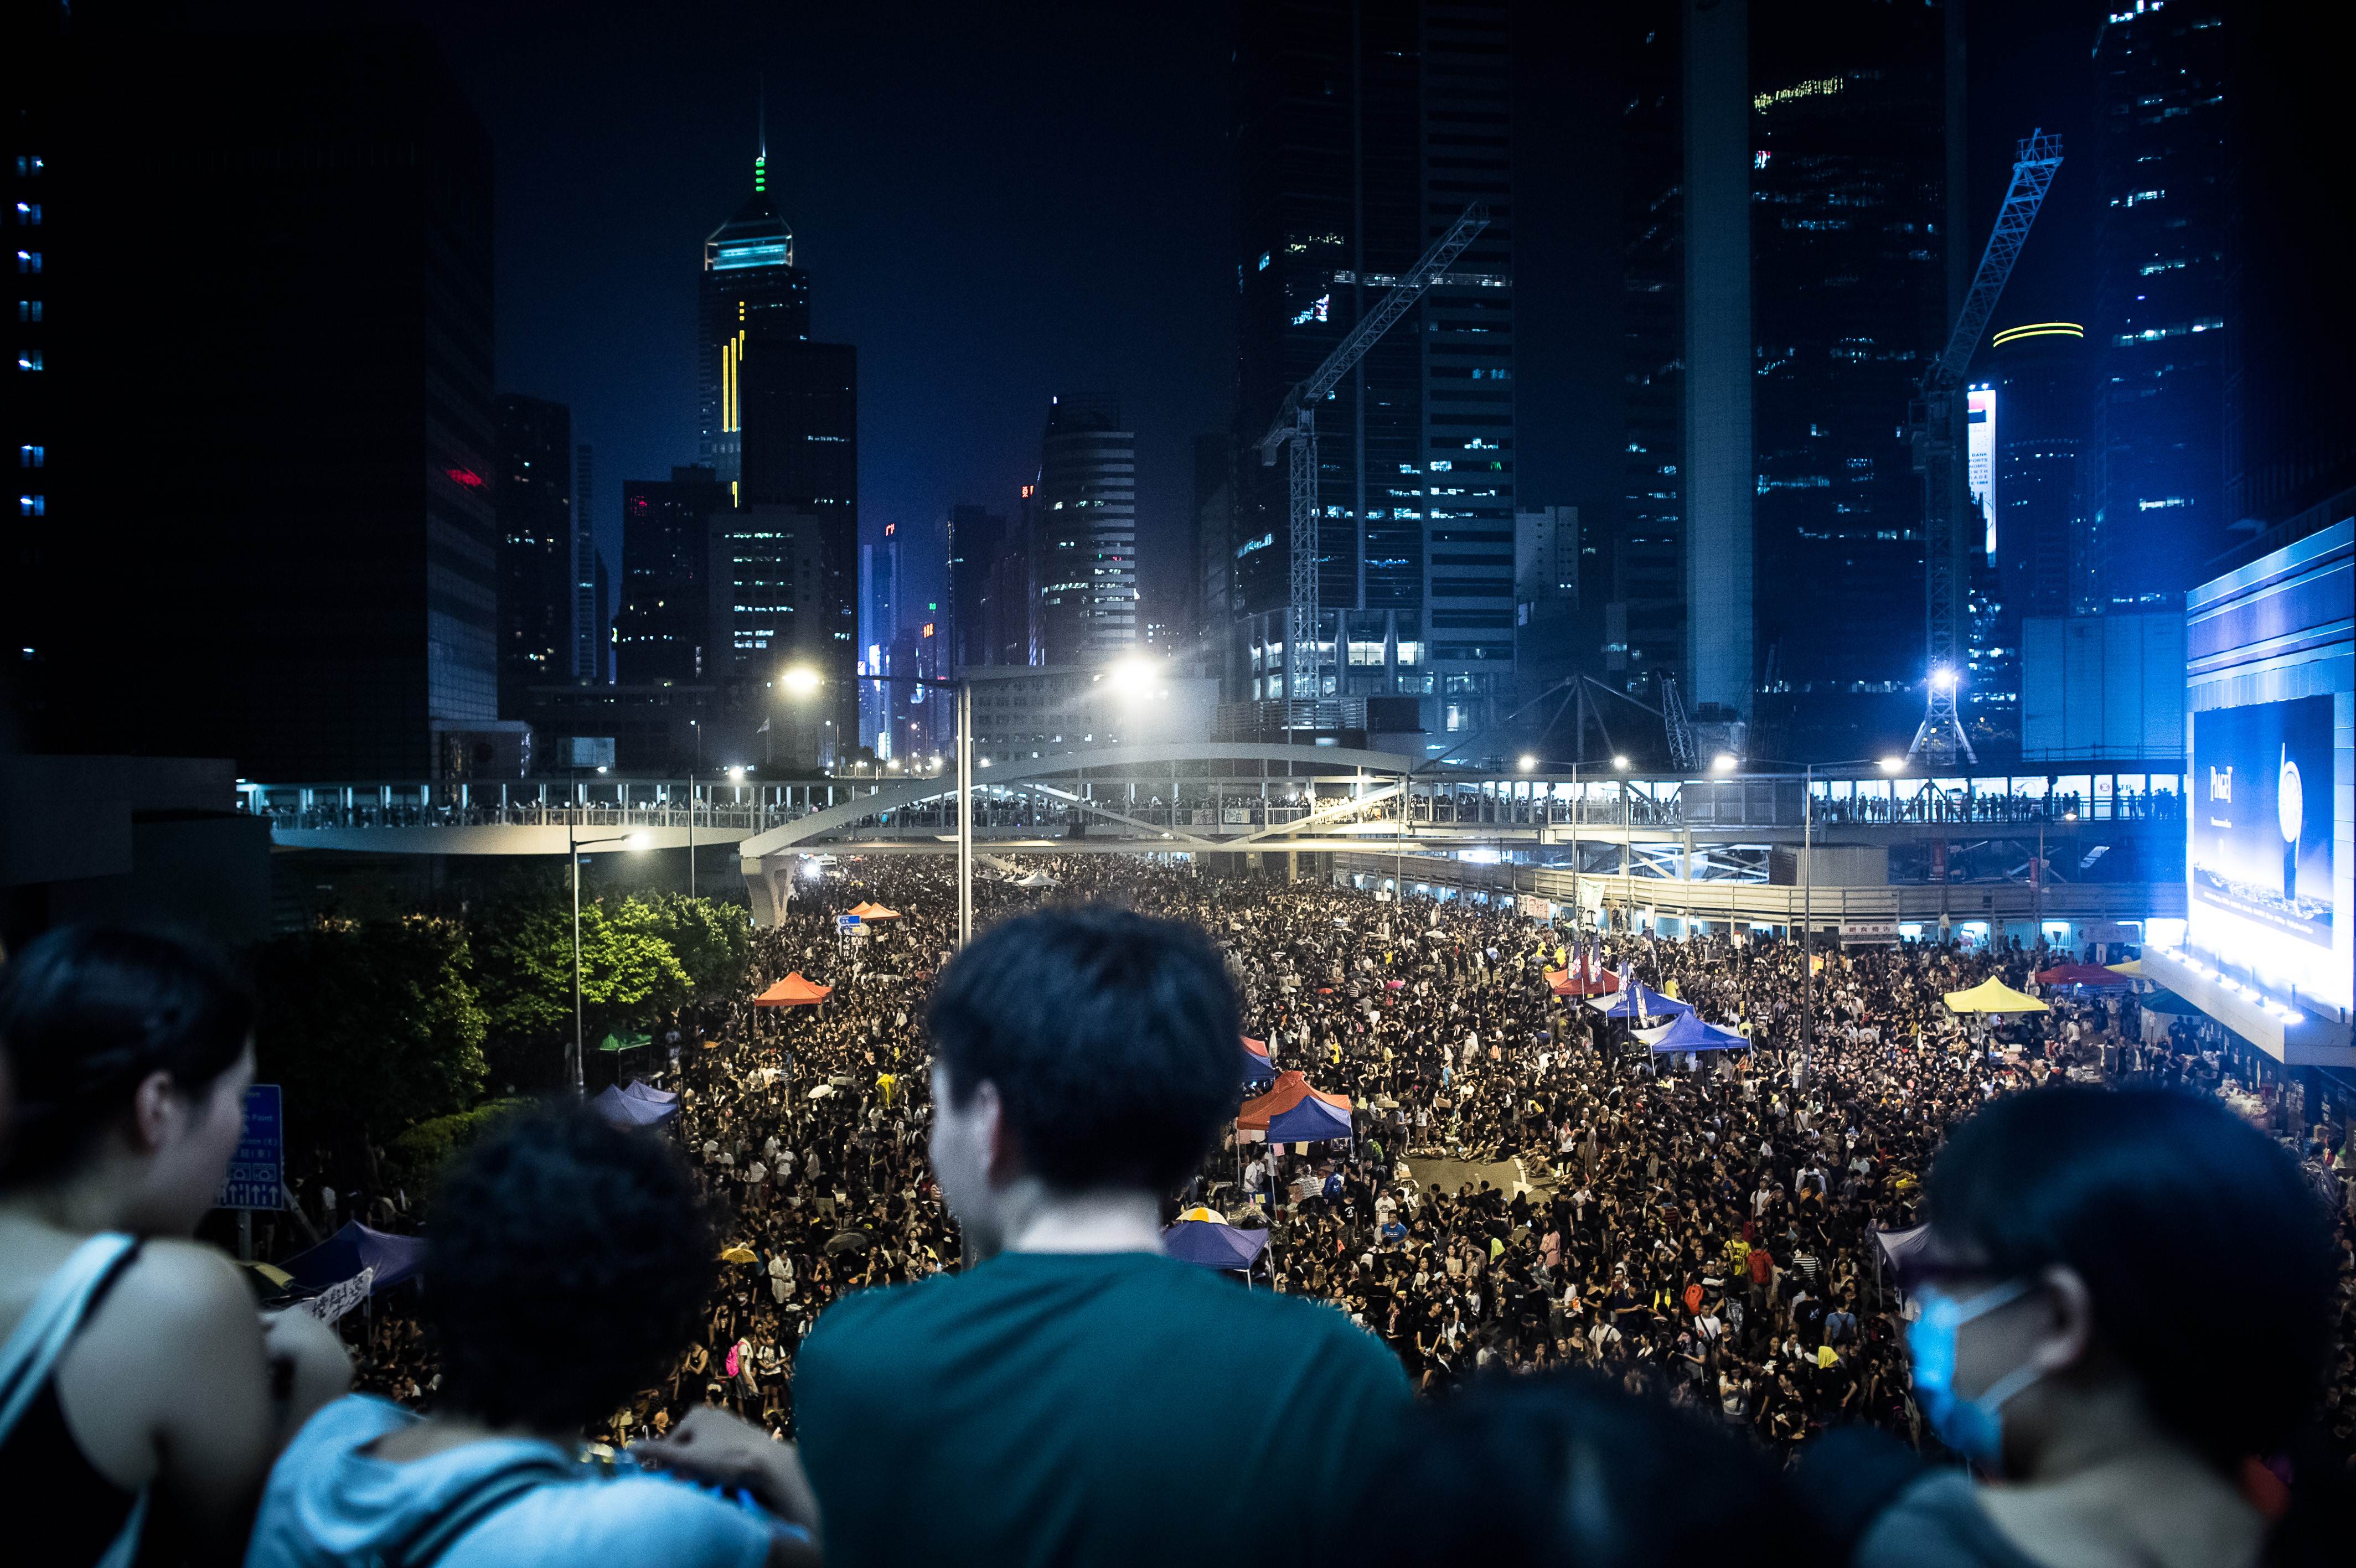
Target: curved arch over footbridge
[{"x": 1123, "y": 799}]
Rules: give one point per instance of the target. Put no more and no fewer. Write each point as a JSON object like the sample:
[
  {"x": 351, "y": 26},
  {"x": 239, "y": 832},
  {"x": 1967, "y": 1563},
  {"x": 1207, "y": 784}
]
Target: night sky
[
  {"x": 998, "y": 203},
  {"x": 993, "y": 203}
]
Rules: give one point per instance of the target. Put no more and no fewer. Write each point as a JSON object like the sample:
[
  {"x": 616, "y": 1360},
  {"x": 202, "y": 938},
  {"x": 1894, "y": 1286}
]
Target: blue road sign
[{"x": 257, "y": 1172}]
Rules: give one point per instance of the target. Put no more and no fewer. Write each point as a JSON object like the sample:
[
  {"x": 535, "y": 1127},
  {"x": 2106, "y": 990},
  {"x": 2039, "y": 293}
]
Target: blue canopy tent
[
  {"x": 1211, "y": 1244},
  {"x": 620, "y": 1109},
  {"x": 355, "y": 1247},
  {"x": 1260, "y": 1063},
  {"x": 1633, "y": 1000},
  {"x": 639, "y": 1089},
  {"x": 1688, "y": 1033},
  {"x": 1312, "y": 1120}
]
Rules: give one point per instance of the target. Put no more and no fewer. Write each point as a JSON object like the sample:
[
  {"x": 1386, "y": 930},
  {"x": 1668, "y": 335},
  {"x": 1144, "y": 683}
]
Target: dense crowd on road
[{"x": 1525, "y": 1188}]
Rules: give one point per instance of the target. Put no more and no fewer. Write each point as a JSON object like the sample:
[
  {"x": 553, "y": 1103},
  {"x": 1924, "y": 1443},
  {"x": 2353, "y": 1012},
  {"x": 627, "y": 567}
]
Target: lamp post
[
  {"x": 2036, "y": 872},
  {"x": 1725, "y": 762},
  {"x": 573, "y": 844},
  {"x": 803, "y": 681}
]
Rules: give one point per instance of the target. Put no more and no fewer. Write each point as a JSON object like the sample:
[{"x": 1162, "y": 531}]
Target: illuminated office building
[
  {"x": 1363, "y": 131},
  {"x": 1087, "y": 539},
  {"x": 535, "y": 501},
  {"x": 2156, "y": 502},
  {"x": 675, "y": 624},
  {"x": 749, "y": 288},
  {"x": 1791, "y": 182}
]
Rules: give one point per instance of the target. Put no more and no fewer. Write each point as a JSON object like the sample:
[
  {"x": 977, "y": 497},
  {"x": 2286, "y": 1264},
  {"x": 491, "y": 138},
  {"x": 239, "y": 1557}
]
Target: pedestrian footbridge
[{"x": 1310, "y": 806}]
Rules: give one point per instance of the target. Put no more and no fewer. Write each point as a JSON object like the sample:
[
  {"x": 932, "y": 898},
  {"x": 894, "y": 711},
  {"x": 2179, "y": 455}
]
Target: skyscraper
[
  {"x": 675, "y": 623},
  {"x": 2157, "y": 508},
  {"x": 1363, "y": 131},
  {"x": 1087, "y": 539},
  {"x": 778, "y": 422},
  {"x": 799, "y": 433},
  {"x": 305, "y": 575},
  {"x": 592, "y": 634},
  {"x": 750, "y": 289},
  {"x": 534, "y": 481},
  {"x": 976, "y": 536},
  {"x": 1791, "y": 190},
  {"x": 1210, "y": 563},
  {"x": 1856, "y": 273}
]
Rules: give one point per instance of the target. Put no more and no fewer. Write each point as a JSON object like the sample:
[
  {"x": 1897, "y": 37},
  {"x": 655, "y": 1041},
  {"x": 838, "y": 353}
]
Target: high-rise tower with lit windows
[
  {"x": 750, "y": 289},
  {"x": 1363, "y": 131}
]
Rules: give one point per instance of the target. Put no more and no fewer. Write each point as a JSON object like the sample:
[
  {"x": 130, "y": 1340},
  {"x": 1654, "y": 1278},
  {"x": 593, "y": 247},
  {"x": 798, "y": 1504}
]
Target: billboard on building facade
[
  {"x": 2261, "y": 808},
  {"x": 1979, "y": 458}
]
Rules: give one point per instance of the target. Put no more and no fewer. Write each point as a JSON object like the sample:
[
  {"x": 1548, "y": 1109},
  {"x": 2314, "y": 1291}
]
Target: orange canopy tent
[
  {"x": 792, "y": 991},
  {"x": 866, "y": 910},
  {"x": 1291, "y": 1092},
  {"x": 1571, "y": 983}
]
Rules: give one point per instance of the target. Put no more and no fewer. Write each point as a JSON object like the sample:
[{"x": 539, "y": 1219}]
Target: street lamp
[
  {"x": 1891, "y": 765},
  {"x": 803, "y": 681},
  {"x": 573, "y": 845}
]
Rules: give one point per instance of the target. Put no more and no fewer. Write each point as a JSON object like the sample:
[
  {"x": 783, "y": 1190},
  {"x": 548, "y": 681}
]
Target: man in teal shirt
[{"x": 1077, "y": 1396}]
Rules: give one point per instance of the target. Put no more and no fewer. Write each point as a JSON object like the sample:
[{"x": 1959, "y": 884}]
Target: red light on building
[
  {"x": 467, "y": 477},
  {"x": 929, "y": 628}
]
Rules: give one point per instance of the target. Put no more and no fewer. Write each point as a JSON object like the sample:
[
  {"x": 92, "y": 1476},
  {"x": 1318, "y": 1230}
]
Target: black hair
[
  {"x": 1569, "y": 1470},
  {"x": 1112, "y": 1038},
  {"x": 2112, "y": 1185},
  {"x": 87, "y": 1013},
  {"x": 565, "y": 1264}
]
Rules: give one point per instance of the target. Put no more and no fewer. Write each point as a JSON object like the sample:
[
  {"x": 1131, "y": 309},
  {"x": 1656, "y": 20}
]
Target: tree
[
  {"x": 713, "y": 941},
  {"x": 627, "y": 975},
  {"x": 368, "y": 1027}
]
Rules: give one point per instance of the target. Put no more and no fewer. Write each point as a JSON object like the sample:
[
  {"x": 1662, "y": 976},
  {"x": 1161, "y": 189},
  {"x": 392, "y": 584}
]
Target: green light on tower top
[{"x": 760, "y": 171}]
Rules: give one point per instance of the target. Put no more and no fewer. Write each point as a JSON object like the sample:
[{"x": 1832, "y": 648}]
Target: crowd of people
[
  {"x": 1525, "y": 1188},
  {"x": 1742, "y": 1237}
]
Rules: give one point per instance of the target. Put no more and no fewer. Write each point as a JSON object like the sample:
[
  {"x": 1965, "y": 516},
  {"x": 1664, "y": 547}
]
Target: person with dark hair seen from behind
[
  {"x": 1044, "y": 1404},
  {"x": 1567, "y": 1470},
  {"x": 2117, "y": 1414},
  {"x": 564, "y": 1264},
  {"x": 142, "y": 1395}
]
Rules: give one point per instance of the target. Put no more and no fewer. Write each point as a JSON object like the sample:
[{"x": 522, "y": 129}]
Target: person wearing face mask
[
  {"x": 2083, "y": 1380},
  {"x": 142, "y": 1398}
]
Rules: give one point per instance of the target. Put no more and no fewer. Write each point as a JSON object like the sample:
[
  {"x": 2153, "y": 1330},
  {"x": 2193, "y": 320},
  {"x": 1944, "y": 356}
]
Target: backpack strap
[{"x": 487, "y": 1496}]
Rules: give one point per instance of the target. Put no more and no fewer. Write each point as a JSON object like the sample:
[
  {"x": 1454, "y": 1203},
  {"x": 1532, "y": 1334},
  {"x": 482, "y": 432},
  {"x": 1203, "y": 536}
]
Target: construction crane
[
  {"x": 1933, "y": 436},
  {"x": 1296, "y": 422}
]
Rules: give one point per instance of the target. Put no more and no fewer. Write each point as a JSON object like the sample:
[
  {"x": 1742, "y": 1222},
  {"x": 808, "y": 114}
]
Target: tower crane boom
[
  {"x": 1941, "y": 735},
  {"x": 1296, "y": 422}
]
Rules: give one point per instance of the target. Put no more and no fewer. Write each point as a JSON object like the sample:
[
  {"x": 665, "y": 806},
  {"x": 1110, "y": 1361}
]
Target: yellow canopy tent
[
  {"x": 739, "y": 1253},
  {"x": 2131, "y": 968},
  {"x": 1993, "y": 996}
]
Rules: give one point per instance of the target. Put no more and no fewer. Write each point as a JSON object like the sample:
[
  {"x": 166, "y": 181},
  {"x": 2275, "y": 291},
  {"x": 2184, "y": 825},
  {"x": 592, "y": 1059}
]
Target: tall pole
[
  {"x": 1577, "y": 913},
  {"x": 573, "y": 855},
  {"x": 691, "y": 819},
  {"x": 1807, "y": 920},
  {"x": 964, "y": 812}
]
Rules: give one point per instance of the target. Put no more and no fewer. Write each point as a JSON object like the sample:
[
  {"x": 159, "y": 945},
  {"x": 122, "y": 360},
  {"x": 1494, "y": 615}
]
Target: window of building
[
  {"x": 32, "y": 456},
  {"x": 28, "y": 260},
  {"x": 29, "y": 359},
  {"x": 32, "y": 505},
  {"x": 29, "y": 310}
]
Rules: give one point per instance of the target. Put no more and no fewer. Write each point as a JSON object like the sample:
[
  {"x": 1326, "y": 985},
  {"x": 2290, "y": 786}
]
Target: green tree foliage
[
  {"x": 629, "y": 974},
  {"x": 415, "y": 1158},
  {"x": 369, "y": 1025},
  {"x": 713, "y": 941}
]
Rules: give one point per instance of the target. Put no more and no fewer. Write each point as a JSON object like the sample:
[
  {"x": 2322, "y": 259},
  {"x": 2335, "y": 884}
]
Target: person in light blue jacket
[{"x": 564, "y": 1264}]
